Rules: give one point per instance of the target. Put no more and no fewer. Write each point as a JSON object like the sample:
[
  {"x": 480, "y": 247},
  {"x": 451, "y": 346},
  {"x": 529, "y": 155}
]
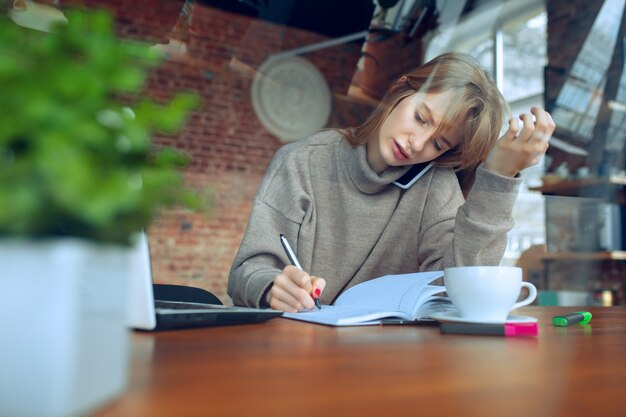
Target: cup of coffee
[{"x": 486, "y": 293}]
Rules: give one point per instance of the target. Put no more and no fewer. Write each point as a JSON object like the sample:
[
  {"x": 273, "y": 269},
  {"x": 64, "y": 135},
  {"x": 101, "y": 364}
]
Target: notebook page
[
  {"x": 344, "y": 315},
  {"x": 426, "y": 295},
  {"x": 390, "y": 292},
  {"x": 434, "y": 305}
]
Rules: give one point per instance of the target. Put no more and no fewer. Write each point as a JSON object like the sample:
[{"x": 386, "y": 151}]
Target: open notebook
[
  {"x": 146, "y": 313},
  {"x": 403, "y": 298}
]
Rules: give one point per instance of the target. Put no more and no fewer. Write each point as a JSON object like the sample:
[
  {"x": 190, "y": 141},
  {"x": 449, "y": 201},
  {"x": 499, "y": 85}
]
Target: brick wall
[{"x": 228, "y": 146}]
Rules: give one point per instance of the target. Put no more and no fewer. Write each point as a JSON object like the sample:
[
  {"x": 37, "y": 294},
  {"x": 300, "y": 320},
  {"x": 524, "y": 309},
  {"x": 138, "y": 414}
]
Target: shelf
[
  {"x": 584, "y": 256},
  {"x": 605, "y": 187}
]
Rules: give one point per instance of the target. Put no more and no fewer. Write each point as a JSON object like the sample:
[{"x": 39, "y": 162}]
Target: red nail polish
[{"x": 318, "y": 292}]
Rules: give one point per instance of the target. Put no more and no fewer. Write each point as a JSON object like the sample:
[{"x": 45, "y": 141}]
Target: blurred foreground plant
[{"x": 76, "y": 158}]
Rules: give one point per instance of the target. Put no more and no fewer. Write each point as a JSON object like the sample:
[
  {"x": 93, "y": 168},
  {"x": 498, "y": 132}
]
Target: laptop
[{"x": 146, "y": 313}]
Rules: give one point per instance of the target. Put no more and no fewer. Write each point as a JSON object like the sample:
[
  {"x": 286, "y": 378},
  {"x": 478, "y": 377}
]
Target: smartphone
[{"x": 413, "y": 174}]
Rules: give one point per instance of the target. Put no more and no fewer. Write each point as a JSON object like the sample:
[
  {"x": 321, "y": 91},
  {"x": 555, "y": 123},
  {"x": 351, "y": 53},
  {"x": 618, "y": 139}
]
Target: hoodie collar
[{"x": 362, "y": 175}]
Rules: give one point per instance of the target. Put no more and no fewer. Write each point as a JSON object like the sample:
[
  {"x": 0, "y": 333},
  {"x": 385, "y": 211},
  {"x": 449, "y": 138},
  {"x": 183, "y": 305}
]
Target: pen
[
  {"x": 507, "y": 329},
  {"x": 292, "y": 258},
  {"x": 580, "y": 317}
]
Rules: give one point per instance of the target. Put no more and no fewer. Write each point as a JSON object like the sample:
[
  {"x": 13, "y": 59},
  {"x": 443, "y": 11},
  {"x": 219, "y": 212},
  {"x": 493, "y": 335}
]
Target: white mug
[{"x": 486, "y": 293}]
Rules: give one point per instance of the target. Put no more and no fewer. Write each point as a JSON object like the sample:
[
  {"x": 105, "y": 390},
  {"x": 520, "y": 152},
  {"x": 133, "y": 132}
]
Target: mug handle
[{"x": 532, "y": 294}]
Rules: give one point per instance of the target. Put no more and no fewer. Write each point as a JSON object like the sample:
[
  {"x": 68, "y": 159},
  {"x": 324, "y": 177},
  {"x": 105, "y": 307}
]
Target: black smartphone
[{"x": 413, "y": 174}]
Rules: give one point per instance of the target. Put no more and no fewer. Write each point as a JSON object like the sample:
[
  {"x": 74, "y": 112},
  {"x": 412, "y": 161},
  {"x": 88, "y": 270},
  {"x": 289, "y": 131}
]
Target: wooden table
[{"x": 288, "y": 368}]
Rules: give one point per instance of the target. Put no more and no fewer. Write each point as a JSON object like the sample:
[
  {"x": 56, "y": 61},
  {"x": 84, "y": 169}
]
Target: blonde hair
[{"x": 477, "y": 104}]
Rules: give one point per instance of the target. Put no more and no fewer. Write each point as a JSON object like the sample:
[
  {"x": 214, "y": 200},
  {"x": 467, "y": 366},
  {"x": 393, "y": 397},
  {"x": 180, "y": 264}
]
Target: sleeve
[
  {"x": 279, "y": 207},
  {"x": 474, "y": 232}
]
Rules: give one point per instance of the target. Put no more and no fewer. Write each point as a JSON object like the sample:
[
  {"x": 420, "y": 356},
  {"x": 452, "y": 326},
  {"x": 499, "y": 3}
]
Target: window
[
  {"x": 524, "y": 56},
  {"x": 481, "y": 48},
  {"x": 509, "y": 38}
]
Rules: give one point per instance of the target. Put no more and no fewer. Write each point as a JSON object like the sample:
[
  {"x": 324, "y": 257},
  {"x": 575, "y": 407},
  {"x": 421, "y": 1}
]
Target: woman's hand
[
  {"x": 293, "y": 290},
  {"x": 515, "y": 151}
]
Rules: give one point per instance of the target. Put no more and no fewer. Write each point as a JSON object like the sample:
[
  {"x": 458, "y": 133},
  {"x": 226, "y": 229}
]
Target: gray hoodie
[{"x": 348, "y": 224}]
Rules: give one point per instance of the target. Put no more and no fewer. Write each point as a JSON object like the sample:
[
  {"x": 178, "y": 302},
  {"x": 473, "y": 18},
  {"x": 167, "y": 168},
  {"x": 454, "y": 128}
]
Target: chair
[{"x": 170, "y": 292}]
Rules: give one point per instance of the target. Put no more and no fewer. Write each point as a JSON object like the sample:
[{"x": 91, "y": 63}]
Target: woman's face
[{"x": 406, "y": 136}]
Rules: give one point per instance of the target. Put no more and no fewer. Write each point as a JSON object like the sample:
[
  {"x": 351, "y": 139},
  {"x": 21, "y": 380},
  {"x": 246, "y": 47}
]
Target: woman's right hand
[
  {"x": 517, "y": 150},
  {"x": 293, "y": 290}
]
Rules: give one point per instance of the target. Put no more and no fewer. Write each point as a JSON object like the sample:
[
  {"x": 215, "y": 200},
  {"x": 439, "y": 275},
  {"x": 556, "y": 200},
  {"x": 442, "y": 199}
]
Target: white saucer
[{"x": 454, "y": 316}]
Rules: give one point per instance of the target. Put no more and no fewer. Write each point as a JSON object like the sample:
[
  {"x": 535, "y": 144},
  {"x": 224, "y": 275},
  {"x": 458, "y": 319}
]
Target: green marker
[{"x": 580, "y": 317}]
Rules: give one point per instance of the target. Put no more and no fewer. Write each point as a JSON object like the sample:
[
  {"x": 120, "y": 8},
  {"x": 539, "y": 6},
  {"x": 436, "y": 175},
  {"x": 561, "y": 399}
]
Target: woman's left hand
[{"x": 515, "y": 151}]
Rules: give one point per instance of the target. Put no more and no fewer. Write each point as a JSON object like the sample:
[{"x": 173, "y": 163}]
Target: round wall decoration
[{"x": 291, "y": 98}]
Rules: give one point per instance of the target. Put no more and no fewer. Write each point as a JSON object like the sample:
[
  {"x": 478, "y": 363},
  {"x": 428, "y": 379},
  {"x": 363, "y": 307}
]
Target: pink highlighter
[{"x": 506, "y": 329}]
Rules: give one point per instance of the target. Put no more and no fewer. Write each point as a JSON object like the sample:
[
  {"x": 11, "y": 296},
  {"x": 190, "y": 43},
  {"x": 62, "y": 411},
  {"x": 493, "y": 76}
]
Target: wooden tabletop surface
[{"x": 289, "y": 368}]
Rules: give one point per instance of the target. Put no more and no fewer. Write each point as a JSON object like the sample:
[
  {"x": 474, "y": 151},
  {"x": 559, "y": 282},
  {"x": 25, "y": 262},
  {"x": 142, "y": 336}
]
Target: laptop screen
[{"x": 140, "y": 312}]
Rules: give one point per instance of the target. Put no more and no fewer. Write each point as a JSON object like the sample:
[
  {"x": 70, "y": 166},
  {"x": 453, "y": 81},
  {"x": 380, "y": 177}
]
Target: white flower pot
[{"x": 65, "y": 345}]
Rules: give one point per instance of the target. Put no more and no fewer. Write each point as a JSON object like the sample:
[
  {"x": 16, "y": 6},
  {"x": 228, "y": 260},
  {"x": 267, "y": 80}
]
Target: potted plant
[{"x": 79, "y": 178}]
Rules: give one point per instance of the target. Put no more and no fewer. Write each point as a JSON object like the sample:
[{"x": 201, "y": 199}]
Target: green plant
[{"x": 76, "y": 157}]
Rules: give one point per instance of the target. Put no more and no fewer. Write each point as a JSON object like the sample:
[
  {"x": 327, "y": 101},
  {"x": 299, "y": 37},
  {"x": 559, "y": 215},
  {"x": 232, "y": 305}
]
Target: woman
[{"x": 346, "y": 201}]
